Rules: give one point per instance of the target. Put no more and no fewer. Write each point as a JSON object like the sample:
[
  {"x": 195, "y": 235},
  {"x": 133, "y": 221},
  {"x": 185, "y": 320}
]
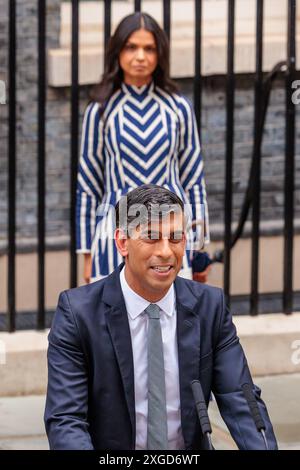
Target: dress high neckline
[{"x": 138, "y": 91}]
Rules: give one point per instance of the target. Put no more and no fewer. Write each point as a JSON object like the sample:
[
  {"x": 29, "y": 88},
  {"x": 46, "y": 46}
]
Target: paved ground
[
  {"x": 22, "y": 425},
  {"x": 281, "y": 394}
]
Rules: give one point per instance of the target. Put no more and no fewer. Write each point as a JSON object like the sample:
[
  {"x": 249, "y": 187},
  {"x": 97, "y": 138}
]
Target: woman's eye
[{"x": 130, "y": 47}]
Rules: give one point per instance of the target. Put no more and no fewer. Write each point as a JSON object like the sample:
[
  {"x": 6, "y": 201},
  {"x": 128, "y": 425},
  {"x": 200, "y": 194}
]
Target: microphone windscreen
[
  {"x": 252, "y": 403},
  {"x": 201, "y": 407}
]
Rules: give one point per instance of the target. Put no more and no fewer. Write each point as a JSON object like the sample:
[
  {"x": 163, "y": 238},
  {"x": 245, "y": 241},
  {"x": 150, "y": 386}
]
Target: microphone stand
[
  {"x": 255, "y": 413},
  {"x": 202, "y": 412}
]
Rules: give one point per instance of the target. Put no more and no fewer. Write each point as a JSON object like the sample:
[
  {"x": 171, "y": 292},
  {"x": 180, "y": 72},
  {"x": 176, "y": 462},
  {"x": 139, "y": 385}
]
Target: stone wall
[{"x": 213, "y": 134}]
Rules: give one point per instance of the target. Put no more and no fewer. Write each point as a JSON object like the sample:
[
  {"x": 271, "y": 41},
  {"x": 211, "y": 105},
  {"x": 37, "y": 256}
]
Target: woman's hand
[
  {"x": 202, "y": 277},
  {"x": 87, "y": 267}
]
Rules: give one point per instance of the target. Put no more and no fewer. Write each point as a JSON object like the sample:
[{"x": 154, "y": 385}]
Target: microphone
[
  {"x": 202, "y": 411},
  {"x": 255, "y": 413}
]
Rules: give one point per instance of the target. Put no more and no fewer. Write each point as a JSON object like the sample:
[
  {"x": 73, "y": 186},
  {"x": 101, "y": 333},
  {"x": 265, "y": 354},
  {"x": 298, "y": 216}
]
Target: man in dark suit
[{"x": 123, "y": 351}]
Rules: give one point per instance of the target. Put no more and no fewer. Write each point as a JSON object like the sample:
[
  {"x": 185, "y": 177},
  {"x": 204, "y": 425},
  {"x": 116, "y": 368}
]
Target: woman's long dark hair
[{"x": 113, "y": 74}]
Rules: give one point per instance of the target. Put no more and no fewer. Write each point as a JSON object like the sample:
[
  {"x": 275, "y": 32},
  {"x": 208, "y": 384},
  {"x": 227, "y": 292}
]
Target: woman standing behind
[{"x": 137, "y": 130}]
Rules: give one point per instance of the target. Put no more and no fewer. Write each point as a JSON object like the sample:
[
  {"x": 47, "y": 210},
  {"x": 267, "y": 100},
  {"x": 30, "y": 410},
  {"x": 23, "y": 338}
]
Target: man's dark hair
[{"x": 157, "y": 202}]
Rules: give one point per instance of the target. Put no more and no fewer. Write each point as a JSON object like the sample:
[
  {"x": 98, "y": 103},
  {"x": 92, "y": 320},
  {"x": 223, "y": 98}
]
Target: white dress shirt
[{"x": 138, "y": 323}]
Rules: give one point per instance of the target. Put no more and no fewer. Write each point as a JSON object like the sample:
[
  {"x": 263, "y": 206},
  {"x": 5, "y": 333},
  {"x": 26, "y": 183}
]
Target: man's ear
[{"x": 121, "y": 241}]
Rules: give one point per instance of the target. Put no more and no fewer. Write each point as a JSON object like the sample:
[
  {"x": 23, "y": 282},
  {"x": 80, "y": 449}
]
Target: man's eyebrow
[
  {"x": 149, "y": 230},
  {"x": 177, "y": 234}
]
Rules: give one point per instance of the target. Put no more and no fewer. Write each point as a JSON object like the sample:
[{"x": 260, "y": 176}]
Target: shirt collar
[{"x": 136, "y": 305}]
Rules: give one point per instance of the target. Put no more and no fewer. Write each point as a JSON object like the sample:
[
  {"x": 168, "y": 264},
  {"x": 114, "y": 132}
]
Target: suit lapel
[
  {"x": 118, "y": 326},
  {"x": 188, "y": 338}
]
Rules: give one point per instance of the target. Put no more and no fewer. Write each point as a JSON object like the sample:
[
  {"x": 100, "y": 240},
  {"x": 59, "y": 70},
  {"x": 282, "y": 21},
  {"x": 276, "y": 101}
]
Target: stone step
[
  {"x": 22, "y": 425},
  {"x": 271, "y": 343}
]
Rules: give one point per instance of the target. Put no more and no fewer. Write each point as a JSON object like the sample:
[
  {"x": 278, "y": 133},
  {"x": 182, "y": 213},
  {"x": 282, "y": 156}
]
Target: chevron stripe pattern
[{"x": 144, "y": 136}]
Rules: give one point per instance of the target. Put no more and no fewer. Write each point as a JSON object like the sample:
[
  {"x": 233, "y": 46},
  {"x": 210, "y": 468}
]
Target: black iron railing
[
  {"x": 252, "y": 197},
  {"x": 11, "y": 294}
]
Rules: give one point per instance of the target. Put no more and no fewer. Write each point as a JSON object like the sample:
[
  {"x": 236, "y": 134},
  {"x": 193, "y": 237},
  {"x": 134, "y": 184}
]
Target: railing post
[
  {"x": 107, "y": 22},
  {"x": 41, "y": 160},
  {"x": 74, "y": 139},
  {"x": 257, "y": 159},
  {"x": 167, "y": 17},
  {"x": 230, "y": 85},
  {"x": 11, "y": 293},
  {"x": 198, "y": 78},
  {"x": 289, "y": 184},
  {"x": 137, "y": 5}
]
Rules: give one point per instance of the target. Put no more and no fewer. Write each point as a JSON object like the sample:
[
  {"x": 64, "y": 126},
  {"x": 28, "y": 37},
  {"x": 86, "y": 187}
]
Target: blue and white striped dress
[{"x": 145, "y": 135}]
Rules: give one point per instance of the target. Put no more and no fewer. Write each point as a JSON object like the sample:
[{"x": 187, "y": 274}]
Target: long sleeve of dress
[
  {"x": 90, "y": 178},
  {"x": 191, "y": 172}
]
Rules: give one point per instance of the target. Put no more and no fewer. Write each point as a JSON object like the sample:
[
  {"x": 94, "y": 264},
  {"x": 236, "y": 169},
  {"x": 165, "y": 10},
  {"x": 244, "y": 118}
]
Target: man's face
[{"x": 153, "y": 255}]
